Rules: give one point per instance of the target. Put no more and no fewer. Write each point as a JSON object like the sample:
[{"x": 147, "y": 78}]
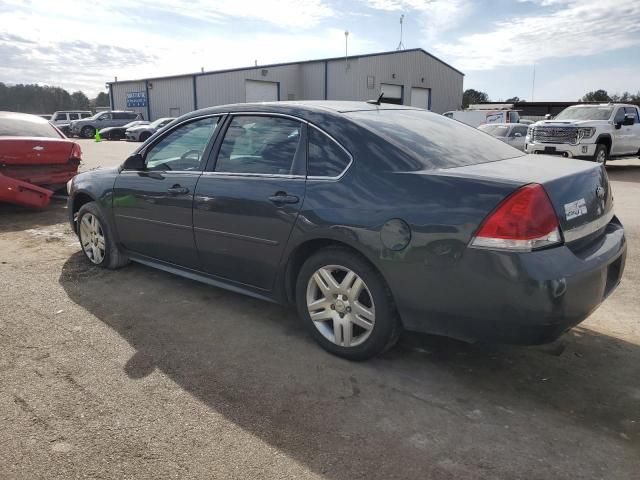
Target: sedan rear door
[{"x": 246, "y": 205}]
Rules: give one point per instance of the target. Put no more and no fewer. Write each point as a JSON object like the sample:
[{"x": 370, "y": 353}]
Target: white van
[{"x": 477, "y": 115}]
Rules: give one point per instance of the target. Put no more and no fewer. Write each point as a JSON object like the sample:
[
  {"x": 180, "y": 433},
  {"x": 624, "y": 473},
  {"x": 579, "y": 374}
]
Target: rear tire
[
  {"x": 601, "y": 154},
  {"x": 88, "y": 132},
  {"x": 97, "y": 239},
  {"x": 354, "y": 316}
]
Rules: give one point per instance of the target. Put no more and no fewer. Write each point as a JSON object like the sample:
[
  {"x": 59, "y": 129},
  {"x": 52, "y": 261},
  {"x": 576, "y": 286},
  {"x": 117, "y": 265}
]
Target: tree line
[
  {"x": 471, "y": 96},
  {"x": 46, "y": 100}
]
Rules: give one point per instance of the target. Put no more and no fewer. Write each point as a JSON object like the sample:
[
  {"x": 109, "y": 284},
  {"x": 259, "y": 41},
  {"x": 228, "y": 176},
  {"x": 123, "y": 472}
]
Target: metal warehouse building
[{"x": 408, "y": 77}]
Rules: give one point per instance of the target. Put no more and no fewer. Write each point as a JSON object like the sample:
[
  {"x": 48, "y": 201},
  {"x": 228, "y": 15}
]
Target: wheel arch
[
  {"x": 605, "y": 139},
  {"x": 79, "y": 199},
  {"x": 304, "y": 250}
]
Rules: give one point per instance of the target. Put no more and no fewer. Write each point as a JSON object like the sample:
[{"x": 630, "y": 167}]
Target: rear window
[
  {"x": 434, "y": 140},
  {"x": 495, "y": 130},
  {"x": 15, "y": 127}
]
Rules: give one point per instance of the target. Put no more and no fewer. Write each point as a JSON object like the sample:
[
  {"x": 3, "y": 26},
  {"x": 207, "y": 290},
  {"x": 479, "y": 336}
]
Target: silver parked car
[
  {"x": 86, "y": 128},
  {"x": 511, "y": 133},
  {"x": 142, "y": 132}
]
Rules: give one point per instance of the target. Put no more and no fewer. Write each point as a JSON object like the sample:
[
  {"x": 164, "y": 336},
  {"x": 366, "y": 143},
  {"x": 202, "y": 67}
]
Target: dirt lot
[{"x": 138, "y": 373}]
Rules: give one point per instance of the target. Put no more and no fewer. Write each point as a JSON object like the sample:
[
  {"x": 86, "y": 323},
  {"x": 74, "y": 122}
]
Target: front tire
[
  {"x": 601, "y": 154},
  {"x": 88, "y": 132},
  {"x": 144, "y": 136},
  {"x": 346, "y": 305},
  {"x": 96, "y": 238}
]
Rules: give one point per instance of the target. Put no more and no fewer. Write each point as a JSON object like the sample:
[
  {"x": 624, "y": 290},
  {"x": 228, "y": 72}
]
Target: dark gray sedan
[{"x": 370, "y": 218}]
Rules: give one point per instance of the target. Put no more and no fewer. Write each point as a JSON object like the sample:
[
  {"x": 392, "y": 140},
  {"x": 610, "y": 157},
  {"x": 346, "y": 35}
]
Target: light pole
[{"x": 346, "y": 48}]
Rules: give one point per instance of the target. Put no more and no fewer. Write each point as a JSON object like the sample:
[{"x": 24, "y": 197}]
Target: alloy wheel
[
  {"x": 92, "y": 238},
  {"x": 340, "y": 305},
  {"x": 602, "y": 156}
]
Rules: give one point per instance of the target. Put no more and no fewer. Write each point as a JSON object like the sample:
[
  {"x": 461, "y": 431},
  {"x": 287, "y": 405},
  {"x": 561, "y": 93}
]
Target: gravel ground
[{"x": 137, "y": 373}]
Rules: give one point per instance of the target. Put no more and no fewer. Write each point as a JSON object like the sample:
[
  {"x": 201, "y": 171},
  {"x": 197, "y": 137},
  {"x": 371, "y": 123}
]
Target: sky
[{"x": 574, "y": 45}]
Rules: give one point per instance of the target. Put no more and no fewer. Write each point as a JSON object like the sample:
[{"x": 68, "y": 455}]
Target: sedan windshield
[
  {"x": 434, "y": 140},
  {"x": 595, "y": 112},
  {"x": 17, "y": 127}
]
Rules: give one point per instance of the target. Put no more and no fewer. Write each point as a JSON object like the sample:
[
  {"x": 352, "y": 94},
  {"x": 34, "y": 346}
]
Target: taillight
[
  {"x": 524, "y": 221},
  {"x": 76, "y": 153}
]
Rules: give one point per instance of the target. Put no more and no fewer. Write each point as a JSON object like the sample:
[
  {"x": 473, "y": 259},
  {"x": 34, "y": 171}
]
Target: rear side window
[
  {"x": 15, "y": 127},
  {"x": 434, "y": 140},
  {"x": 633, "y": 111},
  {"x": 326, "y": 158},
  {"x": 60, "y": 116},
  {"x": 85, "y": 115},
  {"x": 73, "y": 116},
  {"x": 259, "y": 144}
]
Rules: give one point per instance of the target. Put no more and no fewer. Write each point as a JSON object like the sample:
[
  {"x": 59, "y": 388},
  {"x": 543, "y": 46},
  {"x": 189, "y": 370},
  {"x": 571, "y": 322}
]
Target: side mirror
[
  {"x": 547, "y": 116},
  {"x": 629, "y": 120},
  {"x": 134, "y": 162},
  {"x": 517, "y": 134}
]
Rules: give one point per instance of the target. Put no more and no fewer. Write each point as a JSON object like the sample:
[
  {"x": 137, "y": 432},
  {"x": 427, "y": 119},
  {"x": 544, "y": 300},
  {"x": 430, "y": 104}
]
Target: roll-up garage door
[
  {"x": 258, "y": 91},
  {"x": 392, "y": 93},
  {"x": 420, "y": 97}
]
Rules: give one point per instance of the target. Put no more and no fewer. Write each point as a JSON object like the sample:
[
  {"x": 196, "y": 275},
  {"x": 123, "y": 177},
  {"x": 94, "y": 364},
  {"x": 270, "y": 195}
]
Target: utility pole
[
  {"x": 533, "y": 82},
  {"x": 401, "y": 45}
]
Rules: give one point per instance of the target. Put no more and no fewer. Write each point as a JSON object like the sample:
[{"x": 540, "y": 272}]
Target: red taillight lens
[
  {"x": 524, "y": 221},
  {"x": 76, "y": 152}
]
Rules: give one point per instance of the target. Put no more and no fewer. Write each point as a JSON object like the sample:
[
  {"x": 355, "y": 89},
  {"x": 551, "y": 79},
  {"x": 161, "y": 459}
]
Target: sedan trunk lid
[{"x": 579, "y": 190}]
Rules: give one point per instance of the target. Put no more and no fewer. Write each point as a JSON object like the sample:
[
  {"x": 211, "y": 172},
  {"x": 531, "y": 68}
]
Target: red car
[{"x": 36, "y": 159}]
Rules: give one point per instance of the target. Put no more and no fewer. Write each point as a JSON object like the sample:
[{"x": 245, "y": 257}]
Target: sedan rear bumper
[{"x": 522, "y": 298}]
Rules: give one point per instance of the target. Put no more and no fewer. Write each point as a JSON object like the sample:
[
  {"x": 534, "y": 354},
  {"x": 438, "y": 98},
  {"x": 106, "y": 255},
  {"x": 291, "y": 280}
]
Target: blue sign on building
[{"x": 136, "y": 99}]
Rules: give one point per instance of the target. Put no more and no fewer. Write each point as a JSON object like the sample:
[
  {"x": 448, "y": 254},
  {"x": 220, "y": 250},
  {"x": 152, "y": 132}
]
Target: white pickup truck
[{"x": 596, "y": 132}]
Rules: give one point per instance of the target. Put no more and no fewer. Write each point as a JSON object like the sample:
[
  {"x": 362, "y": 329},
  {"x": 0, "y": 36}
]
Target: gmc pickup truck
[{"x": 595, "y": 132}]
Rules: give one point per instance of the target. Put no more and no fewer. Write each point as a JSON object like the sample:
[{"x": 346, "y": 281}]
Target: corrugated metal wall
[
  {"x": 171, "y": 97},
  {"x": 357, "y": 79},
  {"x": 229, "y": 87},
  {"x": 348, "y": 80},
  {"x": 120, "y": 91}
]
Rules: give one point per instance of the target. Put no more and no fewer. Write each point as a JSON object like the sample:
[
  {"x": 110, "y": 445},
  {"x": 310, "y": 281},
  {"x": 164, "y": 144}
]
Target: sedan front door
[
  {"x": 153, "y": 206},
  {"x": 246, "y": 206}
]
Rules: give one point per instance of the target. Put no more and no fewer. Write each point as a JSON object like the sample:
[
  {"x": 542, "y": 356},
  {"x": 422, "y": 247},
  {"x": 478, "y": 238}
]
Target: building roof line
[{"x": 274, "y": 65}]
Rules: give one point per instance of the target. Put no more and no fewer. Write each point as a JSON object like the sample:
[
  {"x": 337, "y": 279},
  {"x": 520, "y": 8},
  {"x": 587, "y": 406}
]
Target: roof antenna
[
  {"x": 376, "y": 102},
  {"x": 401, "y": 45}
]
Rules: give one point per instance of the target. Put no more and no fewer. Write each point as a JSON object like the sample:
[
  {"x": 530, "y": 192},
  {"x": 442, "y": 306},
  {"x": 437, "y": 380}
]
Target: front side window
[
  {"x": 85, "y": 115},
  {"x": 619, "y": 118},
  {"x": 60, "y": 117},
  {"x": 326, "y": 158},
  {"x": 259, "y": 144},
  {"x": 104, "y": 116},
  {"x": 182, "y": 148}
]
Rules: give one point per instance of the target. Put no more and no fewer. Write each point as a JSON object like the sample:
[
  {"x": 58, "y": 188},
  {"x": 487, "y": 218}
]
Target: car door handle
[
  {"x": 177, "y": 190},
  {"x": 282, "y": 197}
]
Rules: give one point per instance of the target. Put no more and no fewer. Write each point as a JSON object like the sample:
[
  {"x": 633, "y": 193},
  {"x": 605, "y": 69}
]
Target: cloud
[
  {"x": 433, "y": 16},
  {"x": 570, "y": 28},
  {"x": 79, "y": 46}
]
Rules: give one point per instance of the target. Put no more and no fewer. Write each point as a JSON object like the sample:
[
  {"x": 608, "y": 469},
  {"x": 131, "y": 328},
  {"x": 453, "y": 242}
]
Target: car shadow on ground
[
  {"x": 429, "y": 408},
  {"x": 624, "y": 173},
  {"x": 14, "y": 218}
]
